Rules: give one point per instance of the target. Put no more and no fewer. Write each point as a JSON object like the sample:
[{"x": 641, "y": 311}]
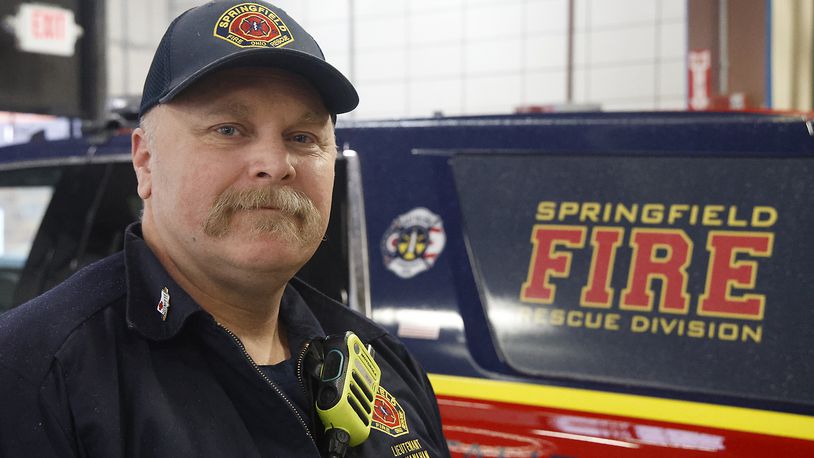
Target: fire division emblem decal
[
  {"x": 413, "y": 242},
  {"x": 250, "y": 25},
  {"x": 388, "y": 415}
]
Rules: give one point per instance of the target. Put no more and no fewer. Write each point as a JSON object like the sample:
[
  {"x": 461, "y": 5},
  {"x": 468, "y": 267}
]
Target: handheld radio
[{"x": 347, "y": 379}]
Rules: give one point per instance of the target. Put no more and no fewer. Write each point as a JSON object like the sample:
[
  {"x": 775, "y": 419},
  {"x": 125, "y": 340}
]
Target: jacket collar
[
  {"x": 305, "y": 312},
  {"x": 146, "y": 279},
  {"x": 336, "y": 318}
]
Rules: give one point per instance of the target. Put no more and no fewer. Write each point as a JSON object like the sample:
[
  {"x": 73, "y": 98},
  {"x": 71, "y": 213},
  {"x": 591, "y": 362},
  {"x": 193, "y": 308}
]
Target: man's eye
[
  {"x": 228, "y": 131},
  {"x": 302, "y": 138}
]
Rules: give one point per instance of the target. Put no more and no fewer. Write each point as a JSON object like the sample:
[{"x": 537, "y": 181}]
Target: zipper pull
[{"x": 311, "y": 357}]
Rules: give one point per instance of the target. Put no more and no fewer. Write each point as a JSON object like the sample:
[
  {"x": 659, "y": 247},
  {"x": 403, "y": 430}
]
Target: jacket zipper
[
  {"x": 300, "y": 378},
  {"x": 300, "y": 362},
  {"x": 271, "y": 384}
]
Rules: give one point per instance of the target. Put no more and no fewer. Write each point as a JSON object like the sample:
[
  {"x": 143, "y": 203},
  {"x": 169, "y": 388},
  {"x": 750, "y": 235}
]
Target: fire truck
[{"x": 577, "y": 285}]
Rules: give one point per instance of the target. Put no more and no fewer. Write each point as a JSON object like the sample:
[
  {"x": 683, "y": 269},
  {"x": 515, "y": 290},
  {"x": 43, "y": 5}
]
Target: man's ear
[{"x": 142, "y": 157}]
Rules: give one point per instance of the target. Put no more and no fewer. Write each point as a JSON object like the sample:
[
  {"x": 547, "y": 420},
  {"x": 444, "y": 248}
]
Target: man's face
[{"x": 237, "y": 173}]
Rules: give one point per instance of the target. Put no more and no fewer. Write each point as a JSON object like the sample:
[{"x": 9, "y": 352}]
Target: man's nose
[{"x": 271, "y": 161}]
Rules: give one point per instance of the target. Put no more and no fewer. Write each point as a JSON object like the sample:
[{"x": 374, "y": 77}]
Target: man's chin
[
  {"x": 289, "y": 234},
  {"x": 289, "y": 238}
]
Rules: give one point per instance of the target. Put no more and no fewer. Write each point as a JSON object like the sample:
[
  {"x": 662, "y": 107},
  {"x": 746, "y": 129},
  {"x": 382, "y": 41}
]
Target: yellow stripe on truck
[{"x": 628, "y": 405}]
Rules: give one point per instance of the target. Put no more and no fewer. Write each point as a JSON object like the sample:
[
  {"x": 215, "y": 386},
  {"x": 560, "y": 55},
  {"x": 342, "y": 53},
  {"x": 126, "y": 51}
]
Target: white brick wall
[{"x": 417, "y": 57}]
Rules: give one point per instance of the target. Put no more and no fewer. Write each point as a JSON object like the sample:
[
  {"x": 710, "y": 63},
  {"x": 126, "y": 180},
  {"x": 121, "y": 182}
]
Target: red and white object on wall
[{"x": 699, "y": 66}]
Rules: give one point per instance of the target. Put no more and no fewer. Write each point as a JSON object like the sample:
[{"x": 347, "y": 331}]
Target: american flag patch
[{"x": 164, "y": 304}]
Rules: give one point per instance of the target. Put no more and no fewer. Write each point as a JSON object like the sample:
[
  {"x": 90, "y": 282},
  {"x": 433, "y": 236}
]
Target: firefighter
[{"x": 193, "y": 340}]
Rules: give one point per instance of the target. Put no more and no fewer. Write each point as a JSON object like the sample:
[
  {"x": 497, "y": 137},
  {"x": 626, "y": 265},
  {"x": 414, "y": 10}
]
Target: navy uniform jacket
[{"x": 91, "y": 369}]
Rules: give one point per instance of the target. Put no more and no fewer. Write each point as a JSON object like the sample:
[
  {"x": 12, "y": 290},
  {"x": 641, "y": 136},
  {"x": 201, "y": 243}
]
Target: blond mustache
[{"x": 298, "y": 219}]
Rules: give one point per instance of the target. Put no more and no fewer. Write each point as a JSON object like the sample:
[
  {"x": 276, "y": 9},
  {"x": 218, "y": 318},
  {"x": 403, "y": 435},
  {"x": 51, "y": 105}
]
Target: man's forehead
[{"x": 239, "y": 110}]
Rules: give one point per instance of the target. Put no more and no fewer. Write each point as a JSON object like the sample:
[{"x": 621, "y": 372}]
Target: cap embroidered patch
[
  {"x": 251, "y": 25},
  {"x": 164, "y": 304},
  {"x": 388, "y": 415}
]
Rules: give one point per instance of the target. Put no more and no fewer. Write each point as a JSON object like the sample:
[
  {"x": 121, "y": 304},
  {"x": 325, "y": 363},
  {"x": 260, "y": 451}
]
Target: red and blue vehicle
[{"x": 577, "y": 285}]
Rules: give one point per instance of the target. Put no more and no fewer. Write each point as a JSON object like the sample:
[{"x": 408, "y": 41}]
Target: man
[{"x": 191, "y": 342}]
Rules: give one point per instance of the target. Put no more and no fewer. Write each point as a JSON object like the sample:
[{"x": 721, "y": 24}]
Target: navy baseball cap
[{"x": 227, "y": 34}]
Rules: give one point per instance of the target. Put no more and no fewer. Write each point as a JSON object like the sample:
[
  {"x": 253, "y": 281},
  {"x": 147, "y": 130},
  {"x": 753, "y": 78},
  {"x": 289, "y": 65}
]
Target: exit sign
[{"x": 45, "y": 29}]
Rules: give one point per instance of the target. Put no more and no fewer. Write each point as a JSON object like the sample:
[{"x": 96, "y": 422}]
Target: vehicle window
[
  {"x": 90, "y": 207},
  {"x": 24, "y": 199},
  {"x": 24, "y": 207},
  {"x": 332, "y": 256}
]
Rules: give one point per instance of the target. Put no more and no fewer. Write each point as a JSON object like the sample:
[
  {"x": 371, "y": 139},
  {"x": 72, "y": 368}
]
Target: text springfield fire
[{"x": 736, "y": 241}]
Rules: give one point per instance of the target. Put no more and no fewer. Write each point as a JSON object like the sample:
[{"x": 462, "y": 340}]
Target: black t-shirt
[
  {"x": 300, "y": 327},
  {"x": 284, "y": 375}
]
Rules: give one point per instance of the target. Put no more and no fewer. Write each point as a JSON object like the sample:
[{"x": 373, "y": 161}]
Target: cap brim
[{"x": 336, "y": 91}]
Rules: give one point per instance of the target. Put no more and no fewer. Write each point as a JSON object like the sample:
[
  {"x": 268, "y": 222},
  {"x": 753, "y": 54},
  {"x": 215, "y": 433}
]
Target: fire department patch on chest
[
  {"x": 388, "y": 416},
  {"x": 251, "y": 25},
  {"x": 413, "y": 242}
]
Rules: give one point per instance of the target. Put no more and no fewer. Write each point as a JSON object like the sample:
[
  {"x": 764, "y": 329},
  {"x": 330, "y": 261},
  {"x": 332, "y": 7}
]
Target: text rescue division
[{"x": 657, "y": 253}]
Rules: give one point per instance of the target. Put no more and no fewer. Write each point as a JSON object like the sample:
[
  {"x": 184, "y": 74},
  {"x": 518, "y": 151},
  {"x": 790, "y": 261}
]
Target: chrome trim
[
  {"x": 69, "y": 160},
  {"x": 358, "y": 273}
]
